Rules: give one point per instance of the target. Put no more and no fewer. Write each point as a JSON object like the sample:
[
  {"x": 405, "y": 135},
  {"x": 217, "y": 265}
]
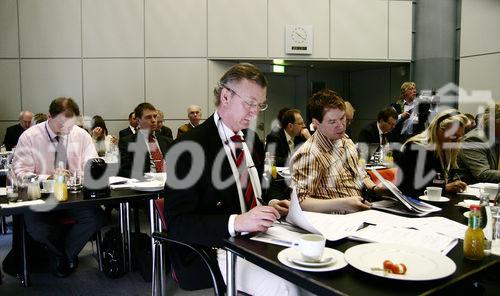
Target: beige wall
[
  {"x": 111, "y": 55},
  {"x": 479, "y": 53}
]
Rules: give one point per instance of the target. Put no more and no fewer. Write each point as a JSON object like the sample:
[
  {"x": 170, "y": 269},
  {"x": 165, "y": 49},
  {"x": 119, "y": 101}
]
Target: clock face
[{"x": 299, "y": 35}]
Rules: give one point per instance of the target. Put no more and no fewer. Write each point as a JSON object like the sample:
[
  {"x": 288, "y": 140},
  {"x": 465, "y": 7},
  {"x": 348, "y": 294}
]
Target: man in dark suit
[
  {"x": 378, "y": 133},
  {"x": 161, "y": 129},
  {"x": 131, "y": 129},
  {"x": 194, "y": 115},
  {"x": 14, "y": 132},
  {"x": 144, "y": 151},
  {"x": 283, "y": 141},
  {"x": 208, "y": 198}
]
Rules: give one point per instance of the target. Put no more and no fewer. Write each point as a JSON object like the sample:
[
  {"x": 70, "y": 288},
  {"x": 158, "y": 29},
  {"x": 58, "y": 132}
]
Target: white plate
[
  {"x": 441, "y": 199},
  {"x": 466, "y": 214},
  {"x": 149, "y": 186},
  {"x": 422, "y": 264},
  {"x": 46, "y": 191},
  {"x": 337, "y": 263}
]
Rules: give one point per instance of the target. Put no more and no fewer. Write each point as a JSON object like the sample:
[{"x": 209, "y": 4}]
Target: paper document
[
  {"x": 333, "y": 227},
  {"x": 412, "y": 204},
  {"x": 279, "y": 234},
  {"x": 406, "y": 236},
  {"x": 22, "y": 203}
]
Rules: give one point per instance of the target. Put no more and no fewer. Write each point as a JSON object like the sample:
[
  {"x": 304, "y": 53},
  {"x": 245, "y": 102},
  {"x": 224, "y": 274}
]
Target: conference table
[
  {"x": 348, "y": 280},
  {"x": 123, "y": 197}
]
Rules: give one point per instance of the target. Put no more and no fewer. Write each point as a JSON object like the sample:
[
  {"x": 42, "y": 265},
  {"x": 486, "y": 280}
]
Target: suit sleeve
[
  {"x": 190, "y": 217},
  {"x": 125, "y": 158},
  {"x": 475, "y": 159}
]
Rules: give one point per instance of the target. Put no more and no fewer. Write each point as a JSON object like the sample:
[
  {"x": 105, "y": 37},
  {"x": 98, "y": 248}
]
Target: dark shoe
[
  {"x": 61, "y": 267},
  {"x": 73, "y": 264}
]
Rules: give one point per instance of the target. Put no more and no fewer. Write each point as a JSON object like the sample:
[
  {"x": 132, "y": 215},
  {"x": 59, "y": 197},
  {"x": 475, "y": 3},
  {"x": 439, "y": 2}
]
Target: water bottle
[{"x": 11, "y": 184}]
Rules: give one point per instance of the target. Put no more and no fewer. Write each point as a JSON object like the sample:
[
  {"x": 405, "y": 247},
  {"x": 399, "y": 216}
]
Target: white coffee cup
[
  {"x": 491, "y": 189},
  {"x": 48, "y": 185},
  {"x": 433, "y": 193},
  {"x": 311, "y": 247}
]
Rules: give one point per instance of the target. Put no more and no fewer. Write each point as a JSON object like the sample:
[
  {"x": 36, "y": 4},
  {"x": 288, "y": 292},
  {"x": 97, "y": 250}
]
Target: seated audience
[
  {"x": 434, "y": 151},
  {"x": 292, "y": 133},
  {"x": 205, "y": 212},
  {"x": 276, "y": 124},
  {"x": 479, "y": 155},
  {"x": 194, "y": 115},
  {"x": 39, "y": 118},
  {"x": 40, "y": 149},
  {"x": 161, "y": 129},
  {"x": 144, "y": 145},
  {"x": 14, "y": 132},
  {"x": 472, "y": 123},
  {"x": 325, "y": 169},
  {"x": 131, "y": 129},
  {"x": 102, "y": 140}
]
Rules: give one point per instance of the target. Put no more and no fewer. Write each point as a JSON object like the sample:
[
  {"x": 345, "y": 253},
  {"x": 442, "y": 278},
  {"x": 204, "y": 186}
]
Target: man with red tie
[
  {"x": 144, "y": 151},
  {"x": 213, "y": 190}
]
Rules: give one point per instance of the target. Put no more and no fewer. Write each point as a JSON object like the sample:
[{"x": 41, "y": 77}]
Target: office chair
[{"x": 162, "y": 238}]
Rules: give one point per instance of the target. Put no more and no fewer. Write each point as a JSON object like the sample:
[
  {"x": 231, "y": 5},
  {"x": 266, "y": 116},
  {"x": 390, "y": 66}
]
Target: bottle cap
[{"x": 475, "y": 207}]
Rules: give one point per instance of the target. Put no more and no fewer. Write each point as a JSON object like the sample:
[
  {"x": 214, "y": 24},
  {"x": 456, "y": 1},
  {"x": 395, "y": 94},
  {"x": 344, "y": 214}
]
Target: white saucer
[
  {"x": 441, "y": 199},
  {"x": 46, "y": 191},
  {"x": 326, "y": 260},
  {"x": 337, "y": 262}
]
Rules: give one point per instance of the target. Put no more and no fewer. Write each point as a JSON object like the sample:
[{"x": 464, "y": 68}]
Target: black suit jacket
[
  {"x": 12, "y": 136},
  {"x": 166, "y": 132},
  {"x": 197, "y": 210},
  {"x": 369, "y": 134},
  {"x": 278, "y": 139},
  {"x": 127, "y": 158},
  {"x": 125, "y": 132},
  {"x": 423, "y": 115}
]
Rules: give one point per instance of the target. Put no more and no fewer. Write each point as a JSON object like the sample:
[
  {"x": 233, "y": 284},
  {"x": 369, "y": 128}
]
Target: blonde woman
[{"x": 433, "y": 151}]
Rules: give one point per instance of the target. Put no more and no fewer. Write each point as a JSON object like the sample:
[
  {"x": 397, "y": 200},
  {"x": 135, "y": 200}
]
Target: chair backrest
[{"x": 160, "y": 209}]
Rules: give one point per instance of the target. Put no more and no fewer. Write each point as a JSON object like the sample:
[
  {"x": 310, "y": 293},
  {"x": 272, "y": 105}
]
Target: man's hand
[
  {"x": 281, "y": 206},
  {"x": 353, "y": 204},
  {"x": 259, "y": 218},
  {"x": 456, "y": 186},
  {"x": 405, "y": 115}
]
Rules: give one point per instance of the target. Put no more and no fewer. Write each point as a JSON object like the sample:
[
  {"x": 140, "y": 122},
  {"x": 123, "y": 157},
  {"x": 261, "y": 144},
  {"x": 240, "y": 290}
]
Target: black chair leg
[{"x": 98, "y": 240}]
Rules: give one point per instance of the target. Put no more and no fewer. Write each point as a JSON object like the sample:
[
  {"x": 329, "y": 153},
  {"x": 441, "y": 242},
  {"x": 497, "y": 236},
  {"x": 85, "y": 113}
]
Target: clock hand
[{"x": 303, "y": 38}]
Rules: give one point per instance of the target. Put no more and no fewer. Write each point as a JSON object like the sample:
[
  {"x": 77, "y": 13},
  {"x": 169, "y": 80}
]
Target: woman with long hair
[
  {"x": 434, "y": 151},
  {"x": 102, "y": 141}
]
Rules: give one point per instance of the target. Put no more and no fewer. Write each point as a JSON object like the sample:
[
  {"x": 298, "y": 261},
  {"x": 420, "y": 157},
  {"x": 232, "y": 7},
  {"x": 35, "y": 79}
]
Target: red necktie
[
  {"x": 239, "y": 158},
  {"x": 156, "y": 155}
]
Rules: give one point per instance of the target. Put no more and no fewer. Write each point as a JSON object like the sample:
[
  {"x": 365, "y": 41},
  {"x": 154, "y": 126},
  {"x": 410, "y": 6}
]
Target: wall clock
[{"x": 298, "y": 39}]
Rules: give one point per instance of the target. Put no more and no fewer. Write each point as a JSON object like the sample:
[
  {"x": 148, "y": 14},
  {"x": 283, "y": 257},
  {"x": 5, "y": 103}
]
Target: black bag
[
  {"x": 112, "y": 259},
  {"x": 142, "y": 255}
]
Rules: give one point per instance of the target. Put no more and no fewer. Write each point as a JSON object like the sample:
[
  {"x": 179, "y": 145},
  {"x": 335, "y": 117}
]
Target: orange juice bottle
[
  {"x": 60, "y": 186},
  {"x": 474, "y": 236}
]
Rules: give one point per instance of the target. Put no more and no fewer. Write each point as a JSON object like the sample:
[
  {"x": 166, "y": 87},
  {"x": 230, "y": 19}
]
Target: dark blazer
[
  {"x": 422, "y": 113},
  {"x": 166, "y": 132},
  {"x": 278, "y": 139},
  {"x": 12, "y": 136},
  {"x": 198, "y": 213},
  {"x": 369, "y": 134},
  {"x": 125, "y": 132},
  {"x": 127, "y": 158}
]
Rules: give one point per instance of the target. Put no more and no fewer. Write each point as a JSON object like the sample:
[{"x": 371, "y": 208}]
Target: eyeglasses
[{"x": 250, "y": 104}]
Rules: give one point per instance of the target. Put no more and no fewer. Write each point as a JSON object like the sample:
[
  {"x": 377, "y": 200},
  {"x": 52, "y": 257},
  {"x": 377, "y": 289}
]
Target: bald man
[
  {"x": 194, "y": 115},
  {"x": 14, "y": 132}
]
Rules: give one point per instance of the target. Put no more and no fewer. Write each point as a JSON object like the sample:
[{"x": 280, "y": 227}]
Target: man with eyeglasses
[
  {"x": 225, "y": 200},
  {"x": 283, "y": 142}
]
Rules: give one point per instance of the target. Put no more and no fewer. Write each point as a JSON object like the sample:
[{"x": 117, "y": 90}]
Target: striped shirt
[{"x": 326, "y": 169}]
